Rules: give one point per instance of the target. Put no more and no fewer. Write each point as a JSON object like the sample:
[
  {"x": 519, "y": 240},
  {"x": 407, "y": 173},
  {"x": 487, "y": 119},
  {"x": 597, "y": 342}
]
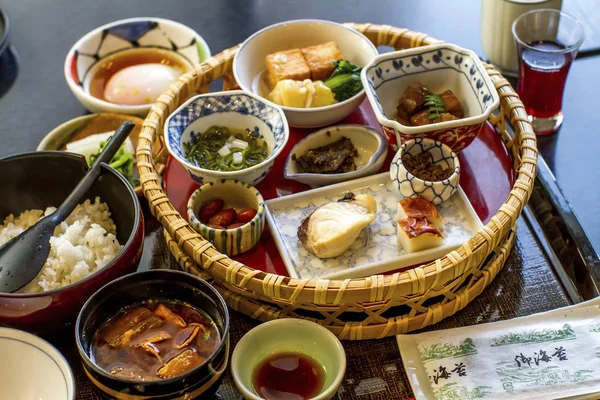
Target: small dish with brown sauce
[{"x": 288, "y": 359}]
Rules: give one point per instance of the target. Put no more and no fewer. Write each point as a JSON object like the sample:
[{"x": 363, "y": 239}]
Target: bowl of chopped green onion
[{"x": 227, "y": 135}]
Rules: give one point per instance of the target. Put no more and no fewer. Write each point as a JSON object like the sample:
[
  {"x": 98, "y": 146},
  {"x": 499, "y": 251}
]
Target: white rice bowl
[{"x": 81, "y": 245}]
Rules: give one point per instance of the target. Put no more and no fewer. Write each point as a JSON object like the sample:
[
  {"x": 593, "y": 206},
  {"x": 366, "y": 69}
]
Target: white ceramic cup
[{"x": 497, "y": 41}]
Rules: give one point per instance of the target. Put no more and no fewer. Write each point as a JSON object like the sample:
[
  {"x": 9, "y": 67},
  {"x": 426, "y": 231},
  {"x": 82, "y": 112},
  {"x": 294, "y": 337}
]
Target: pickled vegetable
[{"x": 224, "y": 149}]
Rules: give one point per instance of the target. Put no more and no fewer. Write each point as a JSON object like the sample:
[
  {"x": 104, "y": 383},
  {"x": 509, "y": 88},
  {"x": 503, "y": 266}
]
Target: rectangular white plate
[{"x": 376, "y": 249}]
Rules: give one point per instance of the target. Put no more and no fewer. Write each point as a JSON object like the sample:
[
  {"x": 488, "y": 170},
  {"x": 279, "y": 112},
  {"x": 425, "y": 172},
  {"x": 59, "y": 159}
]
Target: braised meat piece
[
  {"x": 334, "y": 158},
  {"x": 448, "y": 117},
  {"x": 452, "y": 105},
  {"x": 418, "y": 106},
  {"x": 412, "y": 100},
  {"x": 420, "y": 118}
]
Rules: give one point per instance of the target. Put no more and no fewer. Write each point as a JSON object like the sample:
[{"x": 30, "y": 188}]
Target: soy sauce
[{"x": 288, "y": 376}]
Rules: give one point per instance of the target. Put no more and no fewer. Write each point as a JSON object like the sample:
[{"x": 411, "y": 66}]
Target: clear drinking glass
[{"x": 547, "y": 42}]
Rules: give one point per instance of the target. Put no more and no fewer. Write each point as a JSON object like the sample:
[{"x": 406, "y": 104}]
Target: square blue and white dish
[
  {"x": 376, "y": 249},
  {"x": 439, "y": 67},
  {"x": 234, "y": 110}
]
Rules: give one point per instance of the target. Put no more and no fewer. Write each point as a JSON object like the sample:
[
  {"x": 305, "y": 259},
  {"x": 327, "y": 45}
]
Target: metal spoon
[{"x": 23, "y": 257}]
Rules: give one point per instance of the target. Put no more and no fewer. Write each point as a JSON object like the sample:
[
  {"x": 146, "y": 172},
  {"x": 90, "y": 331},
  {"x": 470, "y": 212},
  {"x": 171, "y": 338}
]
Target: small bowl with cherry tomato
[{"x": 228, "y": 213}]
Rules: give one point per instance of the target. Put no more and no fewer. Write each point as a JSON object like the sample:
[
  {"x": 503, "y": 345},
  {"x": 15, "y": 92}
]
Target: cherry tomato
[
  {"x": 210, "y": 209},
  {"x": 246, "y": 215},
  {"x": 223, "y": 218},
  {"x": 216, "y": 226},
  {"x": 236, "y": 225}
]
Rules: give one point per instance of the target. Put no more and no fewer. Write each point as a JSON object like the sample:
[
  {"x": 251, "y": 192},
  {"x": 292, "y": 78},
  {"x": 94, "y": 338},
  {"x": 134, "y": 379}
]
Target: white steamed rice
[{"x": 82, "y": 244}]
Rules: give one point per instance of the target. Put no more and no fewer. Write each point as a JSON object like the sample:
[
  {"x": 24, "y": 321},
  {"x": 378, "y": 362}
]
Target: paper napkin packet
[{"x": 545, "y": 356}]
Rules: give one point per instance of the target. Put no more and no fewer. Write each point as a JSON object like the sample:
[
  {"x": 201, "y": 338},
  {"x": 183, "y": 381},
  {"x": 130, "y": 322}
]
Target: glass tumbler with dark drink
[{"x": 547, "y": 42}]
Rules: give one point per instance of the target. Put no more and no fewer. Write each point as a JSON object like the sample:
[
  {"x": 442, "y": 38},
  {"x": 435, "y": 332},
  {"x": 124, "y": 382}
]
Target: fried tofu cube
[
  {"x": 319, "y": 59},
  {"x": 289, "y": 64}
]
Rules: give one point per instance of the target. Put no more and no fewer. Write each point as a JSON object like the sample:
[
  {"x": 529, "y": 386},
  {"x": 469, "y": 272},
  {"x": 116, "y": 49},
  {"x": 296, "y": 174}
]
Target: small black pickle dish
[{"x": 140, "y": 287}]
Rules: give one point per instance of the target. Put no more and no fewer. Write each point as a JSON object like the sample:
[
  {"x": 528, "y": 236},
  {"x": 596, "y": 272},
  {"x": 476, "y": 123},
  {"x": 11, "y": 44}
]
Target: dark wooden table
[{"x": 39, "y": 100}]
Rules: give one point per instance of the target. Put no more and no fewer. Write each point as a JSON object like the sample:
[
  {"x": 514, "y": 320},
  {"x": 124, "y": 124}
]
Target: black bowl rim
[
  {"x": 175, "y": 275},
  {"x": 126, "y": 246},
  {"x": 5, "y": 38}
]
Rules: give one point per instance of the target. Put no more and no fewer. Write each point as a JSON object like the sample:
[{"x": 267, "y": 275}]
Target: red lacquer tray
[{"x": 486, "y": 177}]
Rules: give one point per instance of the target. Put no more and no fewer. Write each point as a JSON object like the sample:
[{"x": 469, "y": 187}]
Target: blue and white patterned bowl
[
  {"x": 410, "y": 186},
  {"x": 238, "y": 195},
  {"x": 133, "y": 33},
  {"x": 234, "y": 109},
  {"x": 439, "y": 68}
]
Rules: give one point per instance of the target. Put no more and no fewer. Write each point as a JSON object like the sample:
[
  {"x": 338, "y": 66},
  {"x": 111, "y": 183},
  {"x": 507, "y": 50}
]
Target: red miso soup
[{"x": 154, "y": 341}]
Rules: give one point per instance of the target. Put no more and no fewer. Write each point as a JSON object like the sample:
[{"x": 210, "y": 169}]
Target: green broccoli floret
[{"x": 345, "y": 81}]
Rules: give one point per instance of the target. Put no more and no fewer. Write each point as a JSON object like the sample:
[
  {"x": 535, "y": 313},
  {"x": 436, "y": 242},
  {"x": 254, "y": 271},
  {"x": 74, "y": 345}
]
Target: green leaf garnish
[
  {"x": 435, "y": 106},
  {"x": 347, "y": 197}
]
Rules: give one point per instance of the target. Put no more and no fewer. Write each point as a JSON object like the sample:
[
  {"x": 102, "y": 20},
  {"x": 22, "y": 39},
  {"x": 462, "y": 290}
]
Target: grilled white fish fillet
[{"x": 332, "y": 228}]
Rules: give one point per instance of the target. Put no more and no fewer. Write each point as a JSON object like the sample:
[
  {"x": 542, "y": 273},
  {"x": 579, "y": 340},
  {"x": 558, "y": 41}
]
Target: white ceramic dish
[
  {"x": 288, "y": 335},
  {"x": 235, "y": 194},
  {"x": 249, "y": 62},
  {"x": 376, "y": 249},
  {"x": 232, "y": 109},
  {"x": 439, "y": 67},
  {"x": 32, "y": 368},
  {"x": 370, "y": 144},
  {"x": 133, "y": 33}
]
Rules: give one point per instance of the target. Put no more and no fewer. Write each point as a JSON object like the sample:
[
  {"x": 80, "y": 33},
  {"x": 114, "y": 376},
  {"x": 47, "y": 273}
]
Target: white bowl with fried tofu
[{"x": 291, "y": 64}]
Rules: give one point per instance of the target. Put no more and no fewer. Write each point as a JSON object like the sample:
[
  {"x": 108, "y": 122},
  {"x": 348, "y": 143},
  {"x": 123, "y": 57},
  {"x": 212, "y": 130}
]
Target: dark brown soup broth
[
  {"x": 110, "y": 65},
  {"x": 288, "y": 376},
  {"x": 154, "y": 341}
]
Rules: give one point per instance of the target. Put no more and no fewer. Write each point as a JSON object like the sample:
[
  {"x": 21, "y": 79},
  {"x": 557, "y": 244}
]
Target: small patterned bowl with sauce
[
  {"x": 411, "y": 186},
  {"x": 238, "y": 195}
]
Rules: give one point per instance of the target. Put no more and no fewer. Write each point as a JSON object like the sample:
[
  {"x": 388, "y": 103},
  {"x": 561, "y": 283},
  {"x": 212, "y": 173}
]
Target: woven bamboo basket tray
[{"x": 355, "y": 309}]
